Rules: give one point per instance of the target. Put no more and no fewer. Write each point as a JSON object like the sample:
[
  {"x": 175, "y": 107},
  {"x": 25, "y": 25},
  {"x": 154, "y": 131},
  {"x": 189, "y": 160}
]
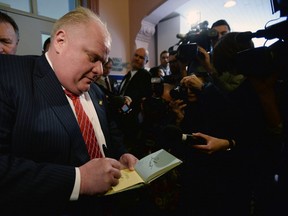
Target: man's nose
[{"x": 98, "y": 68}]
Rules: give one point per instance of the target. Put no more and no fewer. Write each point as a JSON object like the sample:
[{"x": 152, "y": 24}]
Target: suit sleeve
[{"x": 25, "y": 183}]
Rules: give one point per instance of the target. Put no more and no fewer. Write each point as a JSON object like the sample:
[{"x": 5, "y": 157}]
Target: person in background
[
  {"x": 156, "y": 72},
  {"x": 177, "y": 69},
  {"x": 259, "y": 121},
  {"x": 46, "y": 45},
  {"x": 206, "y": 177},
  {"x": 136, "y": 85},
  {"x": 48, "y": 163},
  {"x": 9, "y": 34},
  {"x": 106, "y": 80},
  {"x": 164, "y": 62},
  {"x": 222, "y": 27},
  {"x": 204, "y": 61},
  {"x": 109, "y": 87}
]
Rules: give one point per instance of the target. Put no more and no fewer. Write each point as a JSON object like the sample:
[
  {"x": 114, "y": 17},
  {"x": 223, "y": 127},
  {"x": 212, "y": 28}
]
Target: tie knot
[{"x": 71, "y": 95}]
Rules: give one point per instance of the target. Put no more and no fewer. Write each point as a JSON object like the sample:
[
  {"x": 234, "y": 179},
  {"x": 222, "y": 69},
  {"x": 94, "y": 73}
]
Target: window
[
  {"x": 52, "y": 9},
  {"x": 23, "y": 5},
  {"x": 55, "y": 8}
]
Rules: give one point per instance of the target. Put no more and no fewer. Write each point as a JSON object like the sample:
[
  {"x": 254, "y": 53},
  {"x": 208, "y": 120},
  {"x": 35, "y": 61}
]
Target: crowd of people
[{"x": 51, "y": 103}]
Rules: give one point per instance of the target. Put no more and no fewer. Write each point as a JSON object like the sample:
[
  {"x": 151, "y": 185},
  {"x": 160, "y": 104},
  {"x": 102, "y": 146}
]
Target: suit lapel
[
  {"x": 99, "y": 105},
  {"x": 48, "y": 85}
]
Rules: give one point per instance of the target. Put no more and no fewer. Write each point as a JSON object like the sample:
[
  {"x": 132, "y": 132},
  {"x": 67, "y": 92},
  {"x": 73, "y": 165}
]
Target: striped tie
[{"x": 85, "y": 127}]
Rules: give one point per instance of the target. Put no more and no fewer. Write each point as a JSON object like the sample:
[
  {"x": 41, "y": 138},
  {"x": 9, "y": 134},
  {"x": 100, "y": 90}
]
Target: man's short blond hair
[{"x": 80, "y": 15}]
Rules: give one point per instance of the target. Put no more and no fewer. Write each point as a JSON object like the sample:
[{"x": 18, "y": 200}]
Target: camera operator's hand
[
  {"x": 213, "y": 144},
  {"x": 178, "y": 106},
  {"x": 192, "y": 82},
  {"x": 205, "y": 60},
  {"x": 127, "y": 100}
]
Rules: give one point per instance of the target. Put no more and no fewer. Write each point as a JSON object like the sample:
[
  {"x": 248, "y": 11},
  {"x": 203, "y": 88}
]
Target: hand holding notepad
[{"x": 146, "y": 170}]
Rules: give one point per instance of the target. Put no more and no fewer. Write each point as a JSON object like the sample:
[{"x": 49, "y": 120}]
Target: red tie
[{"x": 85, "y": 127}]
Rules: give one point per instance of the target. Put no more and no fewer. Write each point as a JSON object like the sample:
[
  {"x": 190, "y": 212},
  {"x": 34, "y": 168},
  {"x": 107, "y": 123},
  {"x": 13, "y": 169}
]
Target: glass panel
[
  {"x": 44, "y": 37},
  {"x": 55, "y": 8},
  {"x": 23, "y": 5}
]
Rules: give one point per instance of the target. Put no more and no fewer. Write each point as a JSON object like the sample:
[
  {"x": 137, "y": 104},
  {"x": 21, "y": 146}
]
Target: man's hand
[
  {"x": 128, "y": 161},
  {"x": 99, "y": 175}
]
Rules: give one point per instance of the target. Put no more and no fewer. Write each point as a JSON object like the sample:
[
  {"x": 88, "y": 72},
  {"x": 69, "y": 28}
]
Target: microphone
[
  {"x": 193, "y": 140},
  {"x": 278, "y": 30},
  {"x": 244, "y": 36},
  {"x": 173, "y": 136},
  {"x": 181, "y": 36}
]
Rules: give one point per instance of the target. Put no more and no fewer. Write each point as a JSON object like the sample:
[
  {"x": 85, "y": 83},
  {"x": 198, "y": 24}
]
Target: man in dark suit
[
  {"x": 136, "y": 86},
  {"x": 9, "y": 34},
  {"x": 106, "y": 80},
  {"x": 45, "y": 167}
]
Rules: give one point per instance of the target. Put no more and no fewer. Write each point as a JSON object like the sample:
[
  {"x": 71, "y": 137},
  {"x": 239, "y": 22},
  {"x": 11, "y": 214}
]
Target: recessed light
[{"x": 230, "y": 3}]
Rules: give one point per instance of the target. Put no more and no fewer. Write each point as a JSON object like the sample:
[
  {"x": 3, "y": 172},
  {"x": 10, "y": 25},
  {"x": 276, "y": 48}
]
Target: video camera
[
  {"x": 187, "y": 47},
  {"x": 178, "y": 92},
  {"x": 263, "y": 61}
]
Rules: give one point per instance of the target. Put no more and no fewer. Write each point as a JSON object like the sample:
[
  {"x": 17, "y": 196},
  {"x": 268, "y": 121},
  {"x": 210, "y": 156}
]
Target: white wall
[
  {"x": 116, "y": 16},
  {"x": 167, "y": 31}
]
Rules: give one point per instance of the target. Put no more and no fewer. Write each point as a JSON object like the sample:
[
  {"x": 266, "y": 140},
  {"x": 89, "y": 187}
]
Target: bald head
[{"x": 140, "y": 58}]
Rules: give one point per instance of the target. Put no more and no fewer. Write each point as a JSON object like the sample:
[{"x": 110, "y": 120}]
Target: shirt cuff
[{"x": 76, "y": 189}]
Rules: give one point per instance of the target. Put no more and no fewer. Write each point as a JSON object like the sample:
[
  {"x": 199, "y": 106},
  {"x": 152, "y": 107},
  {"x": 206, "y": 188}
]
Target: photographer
[
  {"x": 201, "y": 41},
  {"x": 207, "y": 175},
  {"x": 259, "y": 125}
]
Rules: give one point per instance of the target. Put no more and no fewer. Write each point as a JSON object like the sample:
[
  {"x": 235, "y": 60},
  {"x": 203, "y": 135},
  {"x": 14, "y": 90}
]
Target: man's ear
[{"x": 60, "y": 40}]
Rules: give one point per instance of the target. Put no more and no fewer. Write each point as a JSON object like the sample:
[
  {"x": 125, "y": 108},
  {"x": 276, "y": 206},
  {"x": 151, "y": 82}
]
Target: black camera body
[
  {"x": 187, "y": 52},
  {"x": 201, "y": 37},
  {"x": 179, "y": 92},
  {"x": 187, "y": 47},
  {"x": 157, "y": 86},
  {"x": 262, "y": 61}
]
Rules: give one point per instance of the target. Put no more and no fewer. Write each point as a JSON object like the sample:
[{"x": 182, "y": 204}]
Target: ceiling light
[{"x": 230, "y": 3}]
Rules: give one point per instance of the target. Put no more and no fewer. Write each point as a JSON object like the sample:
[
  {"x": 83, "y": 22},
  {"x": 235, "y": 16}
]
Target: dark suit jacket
[
  {"x": 40, "y": 140},
  {"x": 113, "y": 84},
  {"x": 138, "y": 87}
]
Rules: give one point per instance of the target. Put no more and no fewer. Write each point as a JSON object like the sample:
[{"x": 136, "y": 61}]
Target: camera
[
  {"x": 157, "y": 86},
  {"x": 187, "y": 47},
  {"x": 179, "y": 92},
  {"x": 262, "y": 61},
  {"x": 199, "y": 34},
  {"x": 187, "y": 52}
]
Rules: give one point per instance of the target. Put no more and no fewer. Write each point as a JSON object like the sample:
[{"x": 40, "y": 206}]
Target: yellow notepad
[{"x": 146, "y": 170}]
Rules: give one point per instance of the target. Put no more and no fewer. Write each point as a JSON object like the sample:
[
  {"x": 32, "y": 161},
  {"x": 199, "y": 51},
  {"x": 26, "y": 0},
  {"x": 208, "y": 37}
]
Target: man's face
[
  {"x": 222, "y": 30},
  {"x": 139, "y": 59},
  {"x": 164, "y": 59},
  {"x": 175, "y": 66},
  {"x": 107, "y": 68},
  {"x": 8, "y": 39},
  {"x": 80, "y": 52}
]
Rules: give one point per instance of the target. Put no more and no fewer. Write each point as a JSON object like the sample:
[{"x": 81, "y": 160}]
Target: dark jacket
[{"x": 40, "y": 140}]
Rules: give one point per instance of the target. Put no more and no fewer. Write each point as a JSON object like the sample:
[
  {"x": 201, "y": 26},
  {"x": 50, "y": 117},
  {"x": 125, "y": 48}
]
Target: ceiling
[{"x": 246, "y": 15}]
